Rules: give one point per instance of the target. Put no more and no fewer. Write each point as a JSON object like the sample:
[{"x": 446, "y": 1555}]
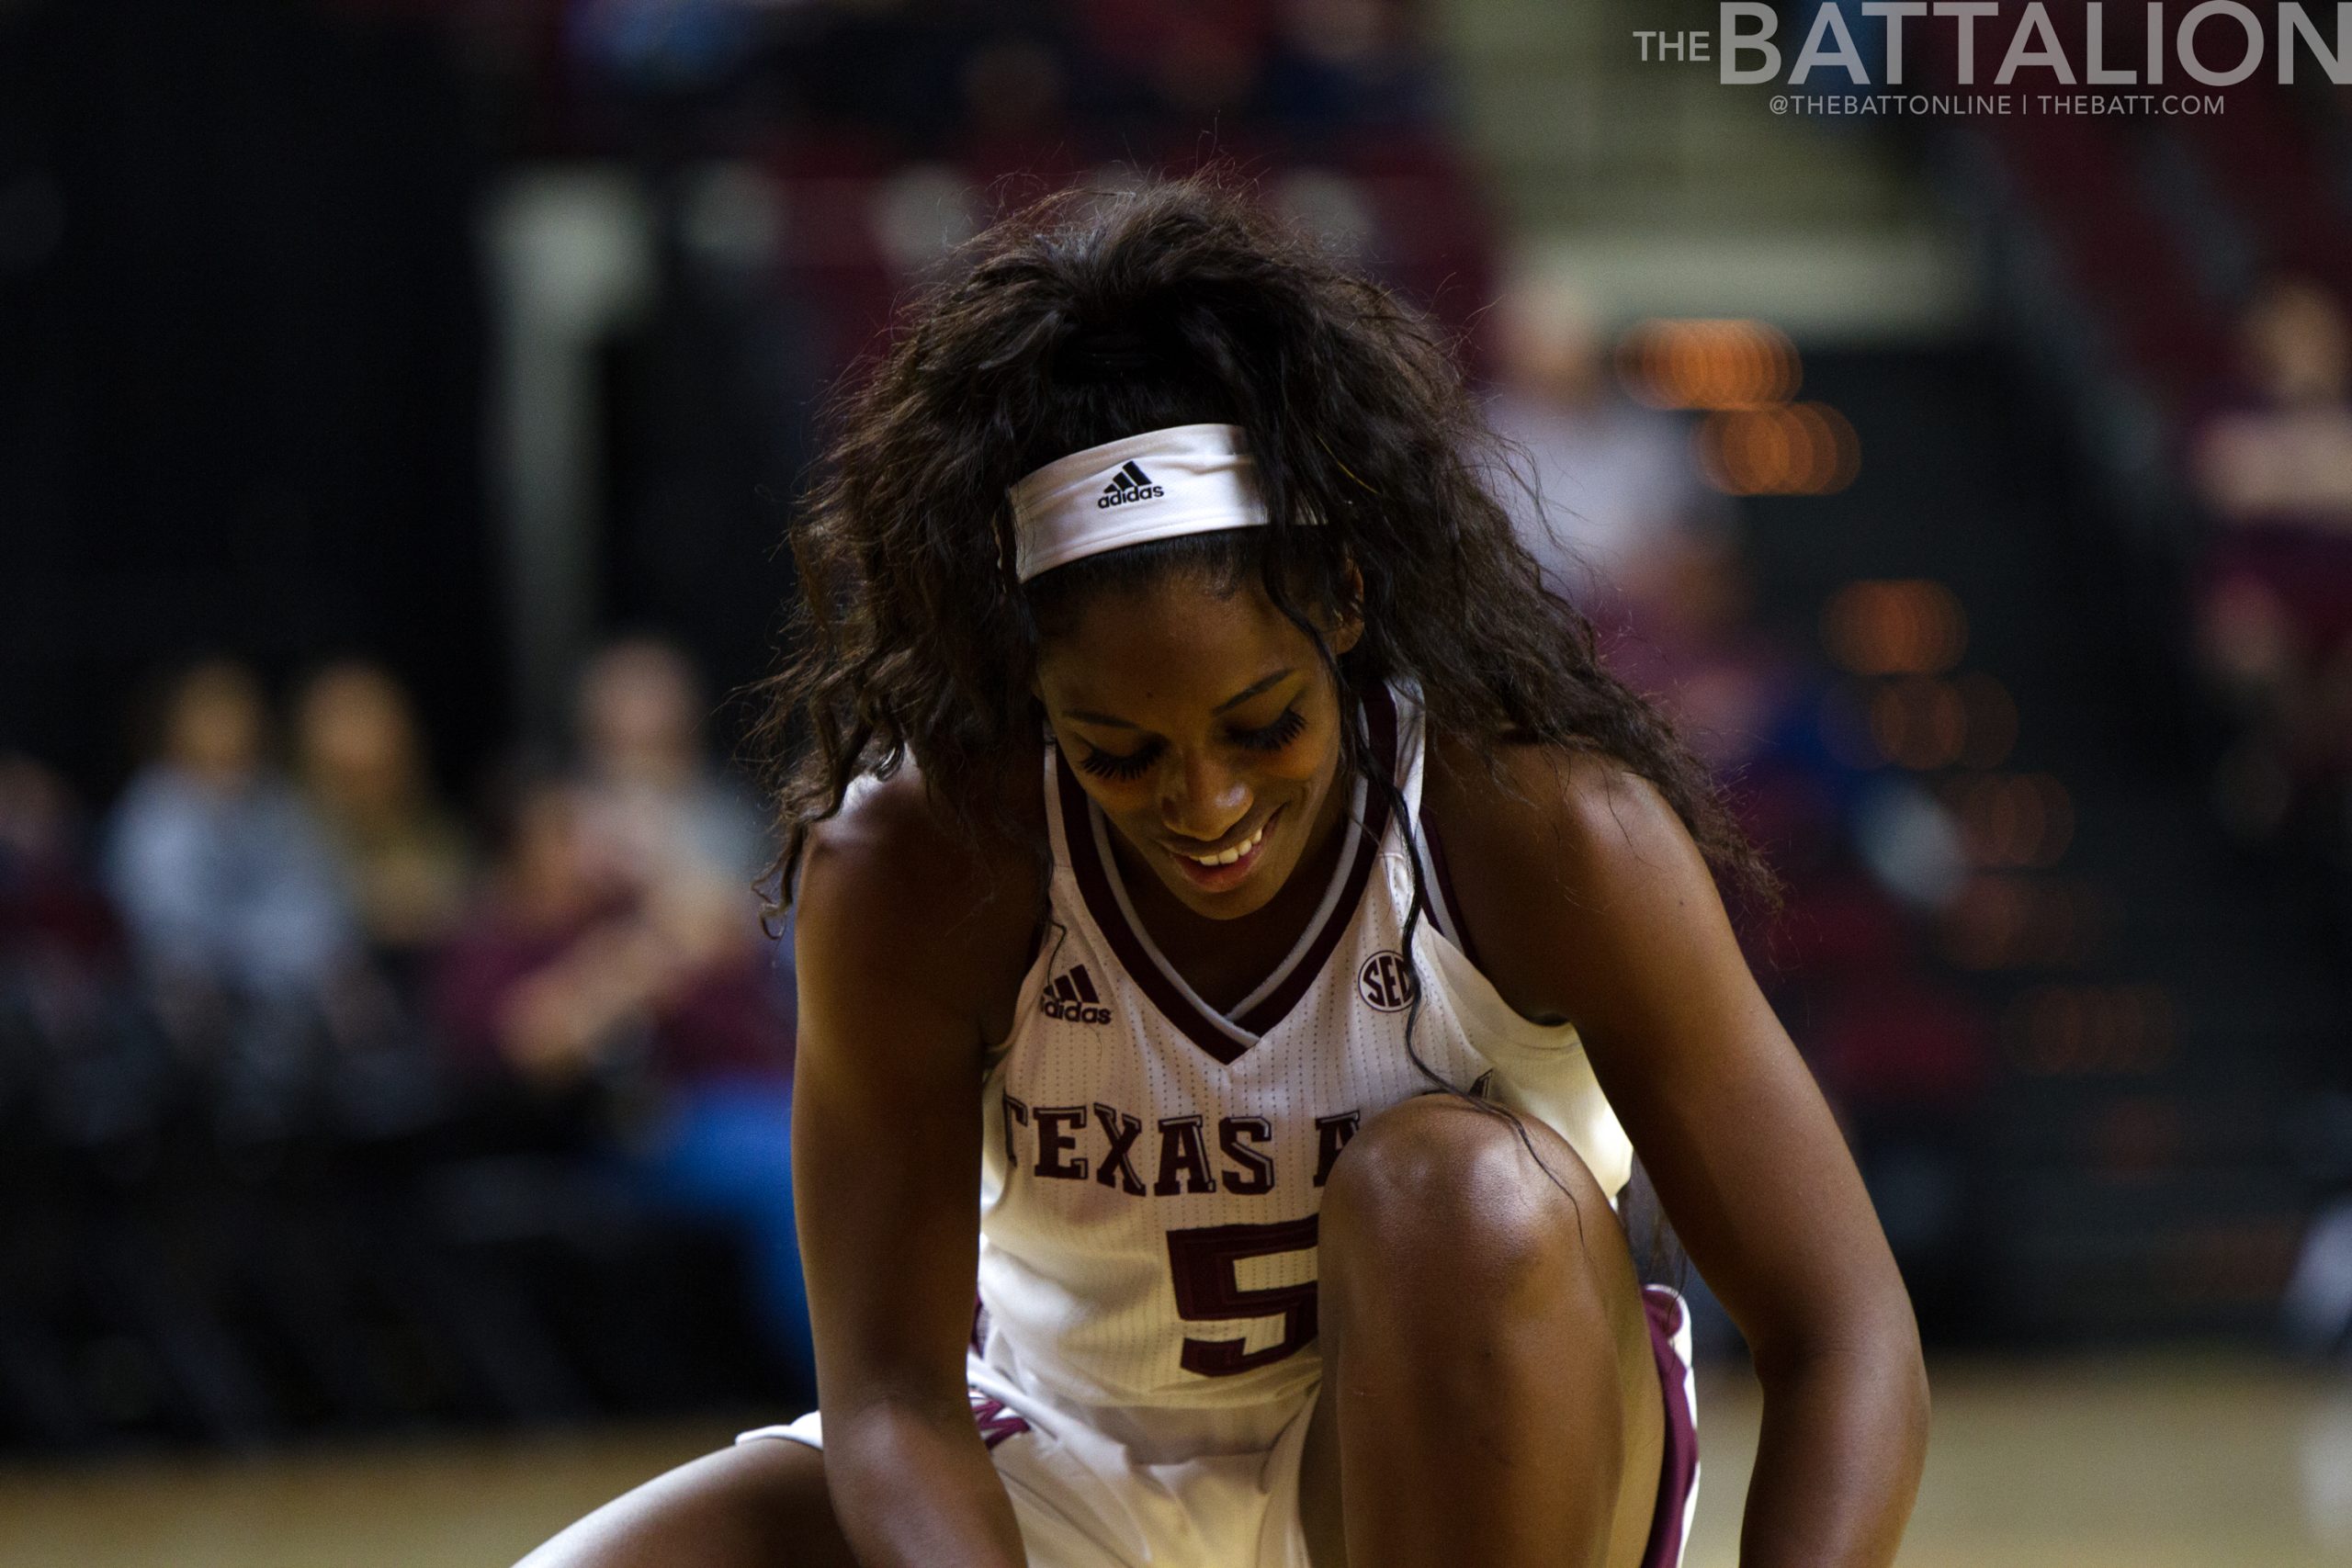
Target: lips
[
  {"x": 1228, "y": 867},
  {"x": 1227, "y": 856}
]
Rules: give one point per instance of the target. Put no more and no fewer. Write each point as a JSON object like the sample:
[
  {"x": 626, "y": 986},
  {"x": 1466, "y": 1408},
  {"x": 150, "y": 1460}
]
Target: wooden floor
[{"x": 2150, "y": 1465}]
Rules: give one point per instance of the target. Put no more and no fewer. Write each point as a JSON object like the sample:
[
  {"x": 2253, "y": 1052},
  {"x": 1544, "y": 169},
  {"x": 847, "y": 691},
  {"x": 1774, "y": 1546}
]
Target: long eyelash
[
  {"x": 1114, "y": 765},
  {"x": 1132, "y": 766},
  {"x": 1275, "y": 736}
]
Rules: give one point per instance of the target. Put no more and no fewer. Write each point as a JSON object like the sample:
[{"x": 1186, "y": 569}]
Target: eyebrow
[{"x": 1086, "y": 716}]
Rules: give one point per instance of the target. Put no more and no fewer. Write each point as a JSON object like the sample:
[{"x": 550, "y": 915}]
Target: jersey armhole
[
  {"x": 1044, "y": 939},
  {"x": 1438, "y": 880}
]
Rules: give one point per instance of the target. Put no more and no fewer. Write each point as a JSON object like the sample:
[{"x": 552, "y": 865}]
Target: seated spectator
[
  {"x": 2275, "y": 593},
  {"x": 52, "y": 915},
  {"x": 221, "y": 874},
  {"x": 586, "y": 958},
  {"x": 652, "y": 796},
  {"x": 574, "y": 962},
  {"x": 363, "y": 768},
  {"x": 1604, "y": 491}
]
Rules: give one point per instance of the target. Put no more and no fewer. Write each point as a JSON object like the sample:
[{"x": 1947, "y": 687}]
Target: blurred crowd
[
  {"x": 277, "y": 902},
  {"x": 942, "y": 78},
  {"x": 1609, "y": 495},
  {"x": 281, "y": 890},
  {"x": 2271, "y": 465},
  {"x": 326, "y": 1063}
]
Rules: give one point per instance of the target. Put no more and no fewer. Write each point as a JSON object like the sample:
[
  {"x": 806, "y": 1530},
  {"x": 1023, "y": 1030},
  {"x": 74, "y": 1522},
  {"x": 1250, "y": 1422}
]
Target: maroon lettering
[
  {"x": 1056, "y": 1127},
  {"x": 1202, "y": 1262},
  {"x": 1115, "y": 1168},
  {"x": 1183, "y": 1158},
  {"x": 1256, "y": 1172},
  {"x": 1015, "y": 1111},
  {"x": 1332, "y": 1133},
  {"x": 996, "y": 1422}
]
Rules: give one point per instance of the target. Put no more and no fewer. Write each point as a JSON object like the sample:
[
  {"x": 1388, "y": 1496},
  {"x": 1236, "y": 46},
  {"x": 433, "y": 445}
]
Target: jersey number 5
[{"x": 1203, "y": 1264}]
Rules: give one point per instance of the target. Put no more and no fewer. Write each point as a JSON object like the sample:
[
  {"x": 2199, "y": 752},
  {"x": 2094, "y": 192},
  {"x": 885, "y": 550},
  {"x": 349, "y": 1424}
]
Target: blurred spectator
[
  {"x": 363, "y": 768},
  {"x": 50, "y": 907},
  {"x": 223, "y": 877},
  {"x": 593, "y": 955},
  {"x": 573, "y": 961},
  {"x": 2275, "y": 598},
  {"x": 653, "y": 798},
  {"x": 1616, "y": 498}
]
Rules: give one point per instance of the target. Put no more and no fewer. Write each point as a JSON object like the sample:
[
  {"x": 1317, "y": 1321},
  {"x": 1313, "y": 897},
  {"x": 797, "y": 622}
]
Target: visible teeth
[{"x": 1235, "y": 853}]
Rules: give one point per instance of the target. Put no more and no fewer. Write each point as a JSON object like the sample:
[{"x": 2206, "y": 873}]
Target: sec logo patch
[{"x": 1385, "y": 983}]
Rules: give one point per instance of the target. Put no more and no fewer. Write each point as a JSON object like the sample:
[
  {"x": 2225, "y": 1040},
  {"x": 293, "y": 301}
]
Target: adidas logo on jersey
[
  {"x": 1072, "y": 998},
  {"x": 1129, "y": 485}
]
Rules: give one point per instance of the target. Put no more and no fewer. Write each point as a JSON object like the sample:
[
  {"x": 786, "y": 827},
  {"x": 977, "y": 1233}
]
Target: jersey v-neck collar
[{"x": 1227, "y": 1036}]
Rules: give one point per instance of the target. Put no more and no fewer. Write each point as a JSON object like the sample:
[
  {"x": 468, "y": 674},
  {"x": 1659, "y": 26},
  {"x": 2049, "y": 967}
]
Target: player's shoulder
[
  {"x": 900, "y": 868},
  {"x": 1510, "y": 799},
  {"x": 1553, "y": 854}
]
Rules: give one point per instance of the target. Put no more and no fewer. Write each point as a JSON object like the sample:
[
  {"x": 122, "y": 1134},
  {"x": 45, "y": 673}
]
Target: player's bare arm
[
  {"x": 1588, "y": 901},
  {"x": 910, "y": 949}
]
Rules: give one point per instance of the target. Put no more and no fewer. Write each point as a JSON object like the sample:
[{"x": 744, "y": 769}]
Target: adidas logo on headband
[
  {"x": 1129, "y": 484},
  {"x": 1200, "y": 480}
]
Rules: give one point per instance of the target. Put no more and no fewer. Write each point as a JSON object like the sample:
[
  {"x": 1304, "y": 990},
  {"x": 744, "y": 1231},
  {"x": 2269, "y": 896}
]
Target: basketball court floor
[{"x": 2148, "y": 1463}]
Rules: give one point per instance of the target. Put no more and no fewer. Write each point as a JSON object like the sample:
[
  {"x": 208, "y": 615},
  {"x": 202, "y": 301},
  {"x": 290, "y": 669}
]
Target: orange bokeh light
[
  {"x": 1894, "y": 627},
  {"x": 1779, "y": 449}
]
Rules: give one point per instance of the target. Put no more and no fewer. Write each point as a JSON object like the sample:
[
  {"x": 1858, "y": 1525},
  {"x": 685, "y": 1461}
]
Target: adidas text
[
  {"x": 1072, "y": 1012},
  {"x": 1122, "y": 496}
]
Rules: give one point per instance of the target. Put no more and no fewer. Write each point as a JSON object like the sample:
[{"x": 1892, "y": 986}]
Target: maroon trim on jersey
[
  {"x": 1094, "y": 886},
  {"x": 1443, "y": 902},
  {"x": 1204, "y": 1030},
  {"x": 1678, "y": 1465},
  {"x": 1381, "y": 714}
]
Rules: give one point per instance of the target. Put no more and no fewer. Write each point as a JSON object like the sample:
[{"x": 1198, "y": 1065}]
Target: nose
[{"x": 1201, "y": 799}]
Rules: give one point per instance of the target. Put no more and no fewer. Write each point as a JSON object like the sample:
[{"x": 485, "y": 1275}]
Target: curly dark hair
[{"x": 1086, "y": 316}]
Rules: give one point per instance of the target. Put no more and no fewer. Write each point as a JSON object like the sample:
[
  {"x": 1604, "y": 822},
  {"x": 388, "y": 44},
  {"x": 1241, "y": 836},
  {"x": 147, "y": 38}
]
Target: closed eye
[
  {"x": 1272, "y": 737},
  {"x": 1124, "y": 766},
  {"x": 1128, "y": 766}
]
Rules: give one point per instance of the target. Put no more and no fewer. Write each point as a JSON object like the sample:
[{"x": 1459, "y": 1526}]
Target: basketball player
[{"x": 1226, "y": 886}]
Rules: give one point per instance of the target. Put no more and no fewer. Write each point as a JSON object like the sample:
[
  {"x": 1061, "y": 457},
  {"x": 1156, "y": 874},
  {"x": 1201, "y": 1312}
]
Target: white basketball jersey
[{"x": 1154, "y": 1168}]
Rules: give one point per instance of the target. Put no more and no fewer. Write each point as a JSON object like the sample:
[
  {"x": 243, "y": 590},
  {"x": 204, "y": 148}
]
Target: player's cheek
[
  {"x": 1316, "y": 754},
  {"x": 1298, "y": 767}
]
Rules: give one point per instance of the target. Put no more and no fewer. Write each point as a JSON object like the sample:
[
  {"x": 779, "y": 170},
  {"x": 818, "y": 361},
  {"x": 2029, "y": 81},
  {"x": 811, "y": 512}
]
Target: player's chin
[
  {"x": 1225, "y": 905},
  {"x": 1229, "y": 905}
]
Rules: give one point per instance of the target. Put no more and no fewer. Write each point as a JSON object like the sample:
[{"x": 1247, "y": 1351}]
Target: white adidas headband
[{"x": 1188, "y": 479}]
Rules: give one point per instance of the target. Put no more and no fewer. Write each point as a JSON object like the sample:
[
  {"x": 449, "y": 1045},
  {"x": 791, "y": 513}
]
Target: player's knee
[{"x": 1444, "y": 1193}]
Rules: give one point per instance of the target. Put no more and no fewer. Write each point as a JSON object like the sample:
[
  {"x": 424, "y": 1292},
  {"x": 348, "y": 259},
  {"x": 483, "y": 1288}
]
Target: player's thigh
[{"x": 758, "y": 1504}]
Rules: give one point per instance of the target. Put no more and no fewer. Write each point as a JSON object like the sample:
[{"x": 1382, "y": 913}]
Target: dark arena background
[{"x": 402, "y": 405}]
